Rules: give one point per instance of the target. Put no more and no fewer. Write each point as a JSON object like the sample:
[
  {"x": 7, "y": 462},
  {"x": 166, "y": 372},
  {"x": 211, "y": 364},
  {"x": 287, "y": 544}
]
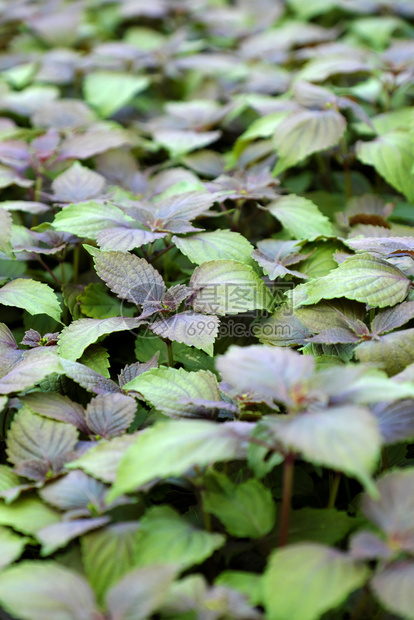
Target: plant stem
[
  {"x": 170, "y": 353},
  {"x": 76, "y": 255},
  {"x": 334, "y": 490},
  {"x": 288, "y": 472},
  {"x": 41, "y": 261}
]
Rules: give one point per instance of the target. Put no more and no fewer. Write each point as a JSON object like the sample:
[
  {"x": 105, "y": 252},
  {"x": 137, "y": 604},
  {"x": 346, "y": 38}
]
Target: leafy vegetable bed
[{"x": 206, "y": 306}]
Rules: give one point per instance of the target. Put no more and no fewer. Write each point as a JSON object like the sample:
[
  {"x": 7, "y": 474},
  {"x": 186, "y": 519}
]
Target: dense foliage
[{"x": 207, "y": 309}]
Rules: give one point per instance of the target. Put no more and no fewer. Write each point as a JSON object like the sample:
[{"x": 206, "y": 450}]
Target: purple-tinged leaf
[
  {"x": 57, "y": 407},
  {"x": 174, "y": 213},
  {"x": 274, "y": 373},
  {"x": 35, "y": 365},
  {"x": 312, "y": 96},
  {"x": 76, "y": 492},
  {"x": 171, "y": 448},
  {"x": 130, "y": 277},
  {"x": 384, "y": 246},
  {"x": 175, "y": 295},
  {"x": 7, "y": 340},
  {"x": 33, "y": 339},
  {"x": 8, "y": 177},
  {"x": 77, "y": 184},
  {"x": 26, "y": 206},
  {"x": 246, "y": 185},
  {"x": 393, "y": 511},
  {"x": 124, "y": 238},
  {"x": 390, "y": 319},
  {"x": 109, "y": 415},
  {"x": 36, "y": 444},
  {"x": 191, "y": 328},
  {"x": 395, "y": 420},
  {"x": 92, "y": 142},
  {"x": 140, "y": 593},
  {"x": 58, "y": 535},
  {"x": 367, "y": 546},
  {"x": 335, "y": 335},
  {"x": 74, "y": 339},
  {"x": 393, "y": 587},
  {"x": 29, "y": 100},
  {"x": 392, "y": 352},
  {"x": 63, "y": 114},
  {"x": 102, "y": 459},
  {"x": 282, "y": 329},
  {"x": 275, "y": 257},
  {"x": 89, "y": 379},
  {"x": 46, "y": 591},
  {"x": 363, "y": 278},
  {"x": 135, "y": 370}
]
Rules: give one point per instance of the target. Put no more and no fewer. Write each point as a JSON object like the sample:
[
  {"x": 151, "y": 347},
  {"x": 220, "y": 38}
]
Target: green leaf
[
  {"x": 102, "y": 460},
  {"x": 74, "y": 339},
  {"x": 305, "y": 132},
  {"x": 6, "y": 232},
  {"x": 37, "y": 445},
  {"x": 170, "y": 389},
  {"x": 392, "y": 156},
  {"x": 326, "y": 526},
  {"x": 190, "y": 328},
  {"x": 165, "y": 537},
  {"x": 88, "y": 219},
  {"x": 46, "y": 591},
  {"x": 364, "y": 278},
  {"x": 171, "y": 448},
  {"x": 96, "y": 357},
  {"x": 301, "y": 217},
  {"x": 11, "y": 546},
  {"x": 27, "y": 514},
  {"x": 108, "y": 91},
  {"x": 96, "y": 303},
  {"x": 228, "y": 287},
  {"x": 108, "y": 555},
  {"x": 344, "y": 438},
  {"x": 217, "y": 245},
  {"x": 246, "y": 510},
  {"x": 333, "y": 577},
  {"x": 34, "y": 297},
  {"x": 249, "y": 584}
]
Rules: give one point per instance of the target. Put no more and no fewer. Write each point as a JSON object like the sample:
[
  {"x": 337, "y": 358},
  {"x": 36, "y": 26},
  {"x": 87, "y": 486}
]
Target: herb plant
[{"x": 207, "y": 310}]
